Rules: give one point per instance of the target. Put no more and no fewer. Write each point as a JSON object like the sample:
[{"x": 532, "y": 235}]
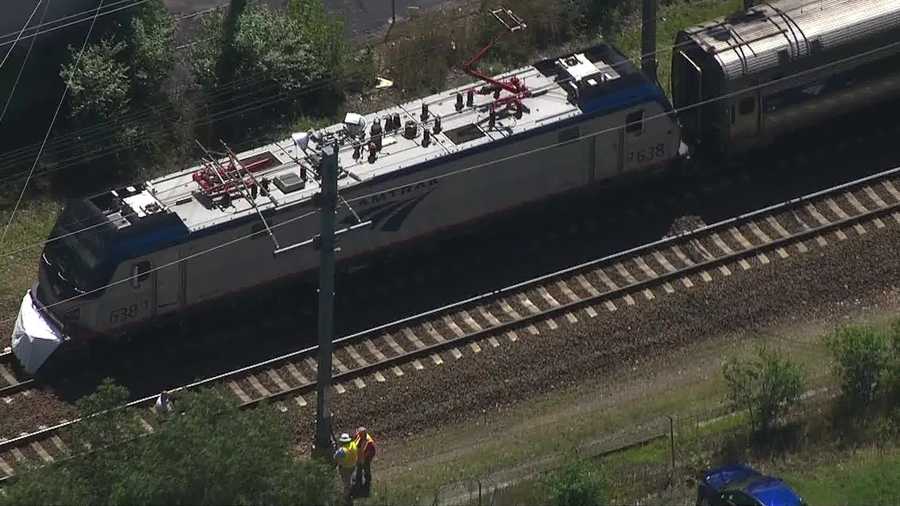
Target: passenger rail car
[
  {"x": 743, "y": 82},
  {"x": 136, "y": 255}
]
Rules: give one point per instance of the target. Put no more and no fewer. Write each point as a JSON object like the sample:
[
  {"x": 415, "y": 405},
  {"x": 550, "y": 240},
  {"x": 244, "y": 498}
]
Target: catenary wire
[
  {"x": 15, "y": 85},
  {"x": 73, "y": 137},
  {"x": 209, "y": 122},
  {"x": 72, "y": 23},
  {"x": 62, "y": 100},
  {"x": 464, "y": 170},
  {"x": 10, "y": 158},
  {"x": 19, "y": 37},
  {"x": 77, "y": 159}
]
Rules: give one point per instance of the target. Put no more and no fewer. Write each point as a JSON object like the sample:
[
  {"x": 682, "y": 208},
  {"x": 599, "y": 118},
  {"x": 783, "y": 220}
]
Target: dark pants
[{"x": 364, "y": 475}]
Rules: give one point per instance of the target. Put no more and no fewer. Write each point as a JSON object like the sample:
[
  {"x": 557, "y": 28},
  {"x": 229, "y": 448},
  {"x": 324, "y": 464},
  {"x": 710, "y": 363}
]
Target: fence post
[{"x": 672, "y": 442}]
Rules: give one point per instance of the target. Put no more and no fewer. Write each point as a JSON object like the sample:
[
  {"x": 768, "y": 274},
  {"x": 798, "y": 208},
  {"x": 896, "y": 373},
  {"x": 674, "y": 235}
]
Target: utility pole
[
  {"x": 393, "y": 12},
  {"x": 648, "y": 39},
  {"x": 327, "y": 207}
]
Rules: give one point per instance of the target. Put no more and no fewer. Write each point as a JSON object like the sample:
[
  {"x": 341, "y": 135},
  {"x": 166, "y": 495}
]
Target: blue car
[{"x": 739, "y": 485}]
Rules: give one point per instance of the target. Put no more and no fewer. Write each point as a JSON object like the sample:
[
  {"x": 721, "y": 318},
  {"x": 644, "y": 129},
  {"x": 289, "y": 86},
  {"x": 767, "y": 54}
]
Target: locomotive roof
[
  {"x": 771, "y": 34},
  {"x": 589, "y": 82}
]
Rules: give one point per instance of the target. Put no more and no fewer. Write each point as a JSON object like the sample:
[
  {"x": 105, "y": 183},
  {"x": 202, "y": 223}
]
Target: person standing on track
[
  {"x": 365, "y": 446},
  {"x": 346, "y": 457}
]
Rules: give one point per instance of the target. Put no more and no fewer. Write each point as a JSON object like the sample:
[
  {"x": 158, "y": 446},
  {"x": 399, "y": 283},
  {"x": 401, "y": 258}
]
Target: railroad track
[
  {"x": 506, "y": 316},
  {"x": 12, "y": 381}
]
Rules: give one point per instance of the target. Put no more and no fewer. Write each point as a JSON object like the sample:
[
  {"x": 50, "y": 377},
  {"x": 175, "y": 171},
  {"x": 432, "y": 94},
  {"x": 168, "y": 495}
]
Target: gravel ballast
[{"x": 824, "y": 284}]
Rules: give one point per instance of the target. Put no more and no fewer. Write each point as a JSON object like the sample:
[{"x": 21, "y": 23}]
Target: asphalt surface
[{"x": 362, "y": 16}]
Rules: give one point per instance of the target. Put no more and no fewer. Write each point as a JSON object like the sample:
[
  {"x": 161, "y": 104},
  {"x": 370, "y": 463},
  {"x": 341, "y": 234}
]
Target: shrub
[
  {"x": 99, "y": 86},
  {"x": 862, "y": 356},
  {"x": 207, "y": 50},
  {"x": 577, "y": 484},
  {"x": 766, "y": 386},
  {"x": 206, "y": 453},
  {"x": 151, "y": 39}
]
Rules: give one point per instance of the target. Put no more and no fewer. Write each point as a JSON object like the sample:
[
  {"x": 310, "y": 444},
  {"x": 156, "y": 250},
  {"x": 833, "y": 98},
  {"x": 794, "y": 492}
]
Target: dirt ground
[{"x": 465, "y": 418}]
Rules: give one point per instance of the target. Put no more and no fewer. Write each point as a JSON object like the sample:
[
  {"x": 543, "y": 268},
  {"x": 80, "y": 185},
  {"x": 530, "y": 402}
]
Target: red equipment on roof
[{"x": 515, "y": 86}]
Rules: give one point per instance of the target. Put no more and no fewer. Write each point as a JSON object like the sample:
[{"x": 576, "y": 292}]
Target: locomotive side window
[
  {"x": 634, "y": 123},
  {"x": 747, "y": 105},
  {"x": 139, "y": 273}
]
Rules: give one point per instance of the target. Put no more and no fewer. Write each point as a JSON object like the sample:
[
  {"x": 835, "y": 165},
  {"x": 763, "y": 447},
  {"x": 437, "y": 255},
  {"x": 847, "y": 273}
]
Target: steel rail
[{"x": 531, "y": 318}]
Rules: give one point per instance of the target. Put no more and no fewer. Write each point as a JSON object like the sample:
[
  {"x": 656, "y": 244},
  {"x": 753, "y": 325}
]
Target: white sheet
[{"x": 33, "y": 338}]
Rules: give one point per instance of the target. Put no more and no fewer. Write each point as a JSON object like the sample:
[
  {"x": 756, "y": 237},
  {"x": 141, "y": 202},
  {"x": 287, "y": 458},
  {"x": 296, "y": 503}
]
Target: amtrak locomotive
[{"x": 152, "y": 251}]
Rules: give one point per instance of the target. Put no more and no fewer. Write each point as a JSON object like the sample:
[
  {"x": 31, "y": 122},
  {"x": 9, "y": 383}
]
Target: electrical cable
[
  {"x": 280, "y": 97},
  {"x": 246, "y": 108},
  {"x": 2, "y": 63},
  {"x": 15, "y": 85},
  {"x": 62, "y": 100},
  {"x": 663, "y": 115},
  {"x": 74, "y": 137},
  {"x": 77, "y": 136},
  {"x": 112, "y": 11}
]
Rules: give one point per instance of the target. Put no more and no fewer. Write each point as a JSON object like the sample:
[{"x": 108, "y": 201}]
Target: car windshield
[{"x": 79, "y": 245}]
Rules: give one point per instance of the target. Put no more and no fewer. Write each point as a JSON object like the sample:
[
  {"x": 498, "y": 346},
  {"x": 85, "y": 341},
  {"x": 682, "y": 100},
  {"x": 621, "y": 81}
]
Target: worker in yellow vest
[{"x": 345, "y": 458}]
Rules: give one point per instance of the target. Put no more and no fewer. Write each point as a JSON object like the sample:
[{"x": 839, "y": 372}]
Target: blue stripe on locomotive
[{"x": 631, "y": 94}]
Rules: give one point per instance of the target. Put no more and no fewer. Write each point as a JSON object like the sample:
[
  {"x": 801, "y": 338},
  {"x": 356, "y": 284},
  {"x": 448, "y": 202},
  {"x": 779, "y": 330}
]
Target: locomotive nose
[{"x": 34, "y": 336}]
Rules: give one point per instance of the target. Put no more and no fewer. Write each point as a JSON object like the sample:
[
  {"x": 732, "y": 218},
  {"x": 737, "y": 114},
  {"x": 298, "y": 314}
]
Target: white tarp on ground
[{"x": 33, "y": 338}]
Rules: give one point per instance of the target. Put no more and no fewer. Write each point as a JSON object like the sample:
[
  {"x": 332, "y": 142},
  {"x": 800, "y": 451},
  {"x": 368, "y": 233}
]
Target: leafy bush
[
  {"x": 862, "y": 356},
  {"x": 151, "y": 38},
  {"x": 577, "y": 484},
  {"x": 207, "y": 453},
  {"x": 207, "y": 51},
  {"x": 99, "y": 86},
  {"x": 766, "y": 386}
]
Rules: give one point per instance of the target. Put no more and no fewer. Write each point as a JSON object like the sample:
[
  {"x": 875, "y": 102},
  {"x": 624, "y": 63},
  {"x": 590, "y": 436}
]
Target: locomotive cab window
[
  {"x": 634, "y": 123},
  {"x": 139, "y": 273},
  {"x": 747, "y": 105}
]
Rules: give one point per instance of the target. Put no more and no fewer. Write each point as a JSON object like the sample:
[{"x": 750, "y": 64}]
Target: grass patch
[
  {"x": 672, "y": 18},
  {"x": 870, "y": 477},
  {"x": 20, "y": 253}
]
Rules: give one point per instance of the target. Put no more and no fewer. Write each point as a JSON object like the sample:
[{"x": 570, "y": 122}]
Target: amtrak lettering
[{"x": 388, "y": 214}]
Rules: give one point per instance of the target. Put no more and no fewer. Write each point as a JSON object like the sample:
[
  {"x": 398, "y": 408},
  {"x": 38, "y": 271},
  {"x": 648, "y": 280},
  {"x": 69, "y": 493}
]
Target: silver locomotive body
[
  {"x": 743, "y": 82},
  {"x": 158, "y": 249}
]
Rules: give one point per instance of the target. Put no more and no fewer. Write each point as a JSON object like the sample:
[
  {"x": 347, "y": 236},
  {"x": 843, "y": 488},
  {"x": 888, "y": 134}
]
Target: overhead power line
[
  {"x": 62, "y": 100},
  {"x": 243, "y": 108},
  {"x": 659, "y": 116}
]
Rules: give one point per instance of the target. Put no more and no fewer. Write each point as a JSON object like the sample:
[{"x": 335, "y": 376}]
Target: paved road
[{"x": 362, "y": 16}]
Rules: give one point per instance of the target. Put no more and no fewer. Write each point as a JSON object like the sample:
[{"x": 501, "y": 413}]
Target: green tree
[
  {"x": 862, "y": 357},
  {"x": 577, "y": 484},
  {"x": 766, "y": 386},
  {"x": 99, "y": 86},
  {"x": 207, "y": 50},
  {"x": 273, "y": 46},
  {"x": 207, "y": 452},
  {"x": 151, "y": 41}
]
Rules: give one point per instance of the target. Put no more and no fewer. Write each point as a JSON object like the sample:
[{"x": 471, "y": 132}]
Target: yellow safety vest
[{"x": 346, "y": 455}]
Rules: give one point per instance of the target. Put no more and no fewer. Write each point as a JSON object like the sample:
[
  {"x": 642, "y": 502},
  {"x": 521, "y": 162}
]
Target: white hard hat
[{"x": 345, "y": 438}]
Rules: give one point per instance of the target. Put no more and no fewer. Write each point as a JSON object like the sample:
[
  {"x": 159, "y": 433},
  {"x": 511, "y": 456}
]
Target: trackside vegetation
[
  {"x": 205, "y": 452},
  {"x": 766, "y": 386}
]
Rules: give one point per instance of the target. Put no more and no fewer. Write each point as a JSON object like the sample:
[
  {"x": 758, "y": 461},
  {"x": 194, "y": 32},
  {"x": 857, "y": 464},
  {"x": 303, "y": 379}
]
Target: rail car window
[
  {"x": 634, "y": 123},
  {"x": 747, "y": 105},
  {"x": 783, "y": 56},
  {"x": 569, "y": 134},
  {"x": 139, "y": 273}
]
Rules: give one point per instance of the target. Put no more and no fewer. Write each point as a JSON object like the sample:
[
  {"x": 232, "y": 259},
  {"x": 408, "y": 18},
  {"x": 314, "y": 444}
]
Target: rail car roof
[
  {"x": 586, "y": 83},
  {"x": 773, "y": 33}
]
